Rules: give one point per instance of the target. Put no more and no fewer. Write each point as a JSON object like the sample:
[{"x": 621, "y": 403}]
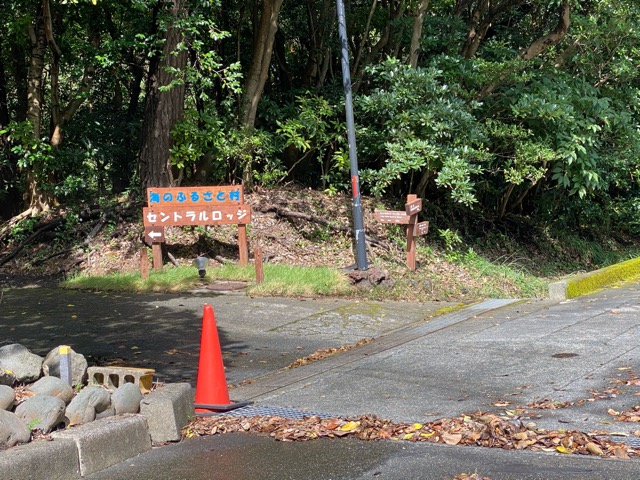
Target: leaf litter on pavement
[{"x": 477, "y": 429}]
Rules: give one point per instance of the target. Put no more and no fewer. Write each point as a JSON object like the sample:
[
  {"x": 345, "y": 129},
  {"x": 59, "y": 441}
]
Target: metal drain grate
[{"x": 261, "y": 410}]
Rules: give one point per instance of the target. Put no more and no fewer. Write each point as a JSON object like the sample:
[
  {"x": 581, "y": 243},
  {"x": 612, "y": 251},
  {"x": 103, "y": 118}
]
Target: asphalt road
[{"x": 425, "y": 363}]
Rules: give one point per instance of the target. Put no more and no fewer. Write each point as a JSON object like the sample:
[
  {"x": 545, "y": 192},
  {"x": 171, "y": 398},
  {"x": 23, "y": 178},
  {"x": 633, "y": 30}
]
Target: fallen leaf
[
  {"x": 594, "y": 449},
  {"x": 333, "y": 424},
  {"x": 452, "y": 438},
  {"x": 347, "y": 427},
  {"x": 621, "y": 452},
  {"x": 563, "y": 449}
]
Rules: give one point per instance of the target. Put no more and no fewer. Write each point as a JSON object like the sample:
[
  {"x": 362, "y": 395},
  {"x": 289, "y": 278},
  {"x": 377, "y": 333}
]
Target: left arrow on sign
[{"x": 154, "y": 234}]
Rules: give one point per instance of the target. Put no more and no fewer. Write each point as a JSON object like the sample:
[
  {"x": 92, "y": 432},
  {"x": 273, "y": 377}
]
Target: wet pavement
[
  {"x": 247, "y": 457},
  {"x": 257, "y": 335},
  {"x": 427, "y": 361}
]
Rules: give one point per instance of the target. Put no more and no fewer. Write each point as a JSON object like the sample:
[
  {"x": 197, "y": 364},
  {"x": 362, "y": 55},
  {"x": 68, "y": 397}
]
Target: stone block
[
  {"x": 41, "y": 460},
  {"x": 113, "y": 377},
  {"x": 108, "y": 441},
  {"x": 168, "y": 410},
  {"x": 558, "y": 290}
]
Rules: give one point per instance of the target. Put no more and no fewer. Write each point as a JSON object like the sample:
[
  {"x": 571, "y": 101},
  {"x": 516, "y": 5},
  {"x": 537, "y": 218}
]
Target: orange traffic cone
[{"x": 212, "y": 394}]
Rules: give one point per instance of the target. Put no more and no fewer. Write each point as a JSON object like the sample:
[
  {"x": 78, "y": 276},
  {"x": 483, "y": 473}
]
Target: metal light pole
[{"x": 358, "y": 224}]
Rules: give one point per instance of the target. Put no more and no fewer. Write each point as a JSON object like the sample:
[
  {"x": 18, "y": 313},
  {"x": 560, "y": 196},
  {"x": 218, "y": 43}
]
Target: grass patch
[
  {"x": 285, "y": 280},
  {"x": 509, "y": 278},
  {"x": 279, "y": 280}
]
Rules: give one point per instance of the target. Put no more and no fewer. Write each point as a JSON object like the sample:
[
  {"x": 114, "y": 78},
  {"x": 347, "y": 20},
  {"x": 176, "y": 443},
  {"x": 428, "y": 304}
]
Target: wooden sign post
[
  {"x": 179, "y": 206},
  {"x": 408, "y": 218}
]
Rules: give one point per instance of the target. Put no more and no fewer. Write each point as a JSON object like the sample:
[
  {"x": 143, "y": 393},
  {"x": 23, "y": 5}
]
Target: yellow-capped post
[{"x": 65, "y": 363}]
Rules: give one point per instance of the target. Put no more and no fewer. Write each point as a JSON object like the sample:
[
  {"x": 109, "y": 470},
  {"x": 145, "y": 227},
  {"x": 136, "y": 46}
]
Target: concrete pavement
[
  {"x": 240, "y": 457},
  {"x": 580, "y": 351},
  {"x": 427, "y": 361}
]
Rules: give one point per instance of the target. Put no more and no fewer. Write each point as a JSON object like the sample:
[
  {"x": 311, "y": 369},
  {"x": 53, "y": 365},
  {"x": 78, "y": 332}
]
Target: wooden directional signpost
[
  {"x": 408, "y": 218},
  {"x": 179, "y": 206}
]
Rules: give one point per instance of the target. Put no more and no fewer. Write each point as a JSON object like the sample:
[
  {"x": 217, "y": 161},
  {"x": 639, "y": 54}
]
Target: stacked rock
[{"x": 49, "y": 403}]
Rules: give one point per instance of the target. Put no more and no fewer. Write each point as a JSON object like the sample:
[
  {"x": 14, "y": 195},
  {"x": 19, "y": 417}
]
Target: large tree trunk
[
  {"x": 35, "y": 76},
  {"x": 163, "y": 109},
  {"x": 36, "y": 199}
]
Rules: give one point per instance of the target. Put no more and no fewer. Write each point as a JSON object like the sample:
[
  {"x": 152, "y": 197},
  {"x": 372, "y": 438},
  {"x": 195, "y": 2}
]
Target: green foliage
[
  {"x": 314, "y": 130},
  {"x": 554, "y": 139},
  {"x": 450, "y": 238},
  {"x": 420, "y": 125}
]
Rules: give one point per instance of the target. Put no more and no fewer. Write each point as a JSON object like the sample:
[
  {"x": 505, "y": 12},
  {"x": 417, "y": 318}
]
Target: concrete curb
[
  {"x": 577, "y": 285},
  {"x": 89, "y": 448}
]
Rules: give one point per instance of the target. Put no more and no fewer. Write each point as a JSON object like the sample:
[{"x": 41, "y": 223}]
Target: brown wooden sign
[
  {"x": 408, "y": 218},
  {"x": 421, "y": 229},
  {"x": 181, "y": 206},
  {"x": 169, "y": 216},
  {"x": 413, "y": 207},
  {"x": 154, "y": 234},
  {"x": 390, "y": 216}
]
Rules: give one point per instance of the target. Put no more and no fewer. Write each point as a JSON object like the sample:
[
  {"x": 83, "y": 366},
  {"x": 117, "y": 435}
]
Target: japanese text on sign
[
  {"x": 197, "y": 215},
  {"x": 178, "y": 196}
]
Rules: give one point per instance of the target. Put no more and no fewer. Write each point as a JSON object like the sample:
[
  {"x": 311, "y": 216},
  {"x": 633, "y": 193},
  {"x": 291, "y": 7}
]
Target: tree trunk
[
  {"x": 478, "y": 24},
  {"x": 554, "y": 37},
  {"x": 261, "y": 58},
  {"x": 319, "y": 30},
  {"x": 416, "y": 35},
  {"x": 163, "y": 109},
  {"x": 258, "y": 72},
  {"x": 484, "y": 15},
  {"x": 20, "y": 75},
  {"x": 35, "y": 76},
  {"x": 36, "y": 199},
  {"x": 4, "y": 106},
  {"x": 539, "y": 45}
]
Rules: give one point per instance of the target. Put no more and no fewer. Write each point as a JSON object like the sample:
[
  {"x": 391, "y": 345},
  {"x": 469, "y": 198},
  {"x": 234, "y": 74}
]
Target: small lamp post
[{"x": 201, "y": 264}]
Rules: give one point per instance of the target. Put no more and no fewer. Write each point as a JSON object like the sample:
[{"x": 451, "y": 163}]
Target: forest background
[{"x": 517, "y": 121}]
